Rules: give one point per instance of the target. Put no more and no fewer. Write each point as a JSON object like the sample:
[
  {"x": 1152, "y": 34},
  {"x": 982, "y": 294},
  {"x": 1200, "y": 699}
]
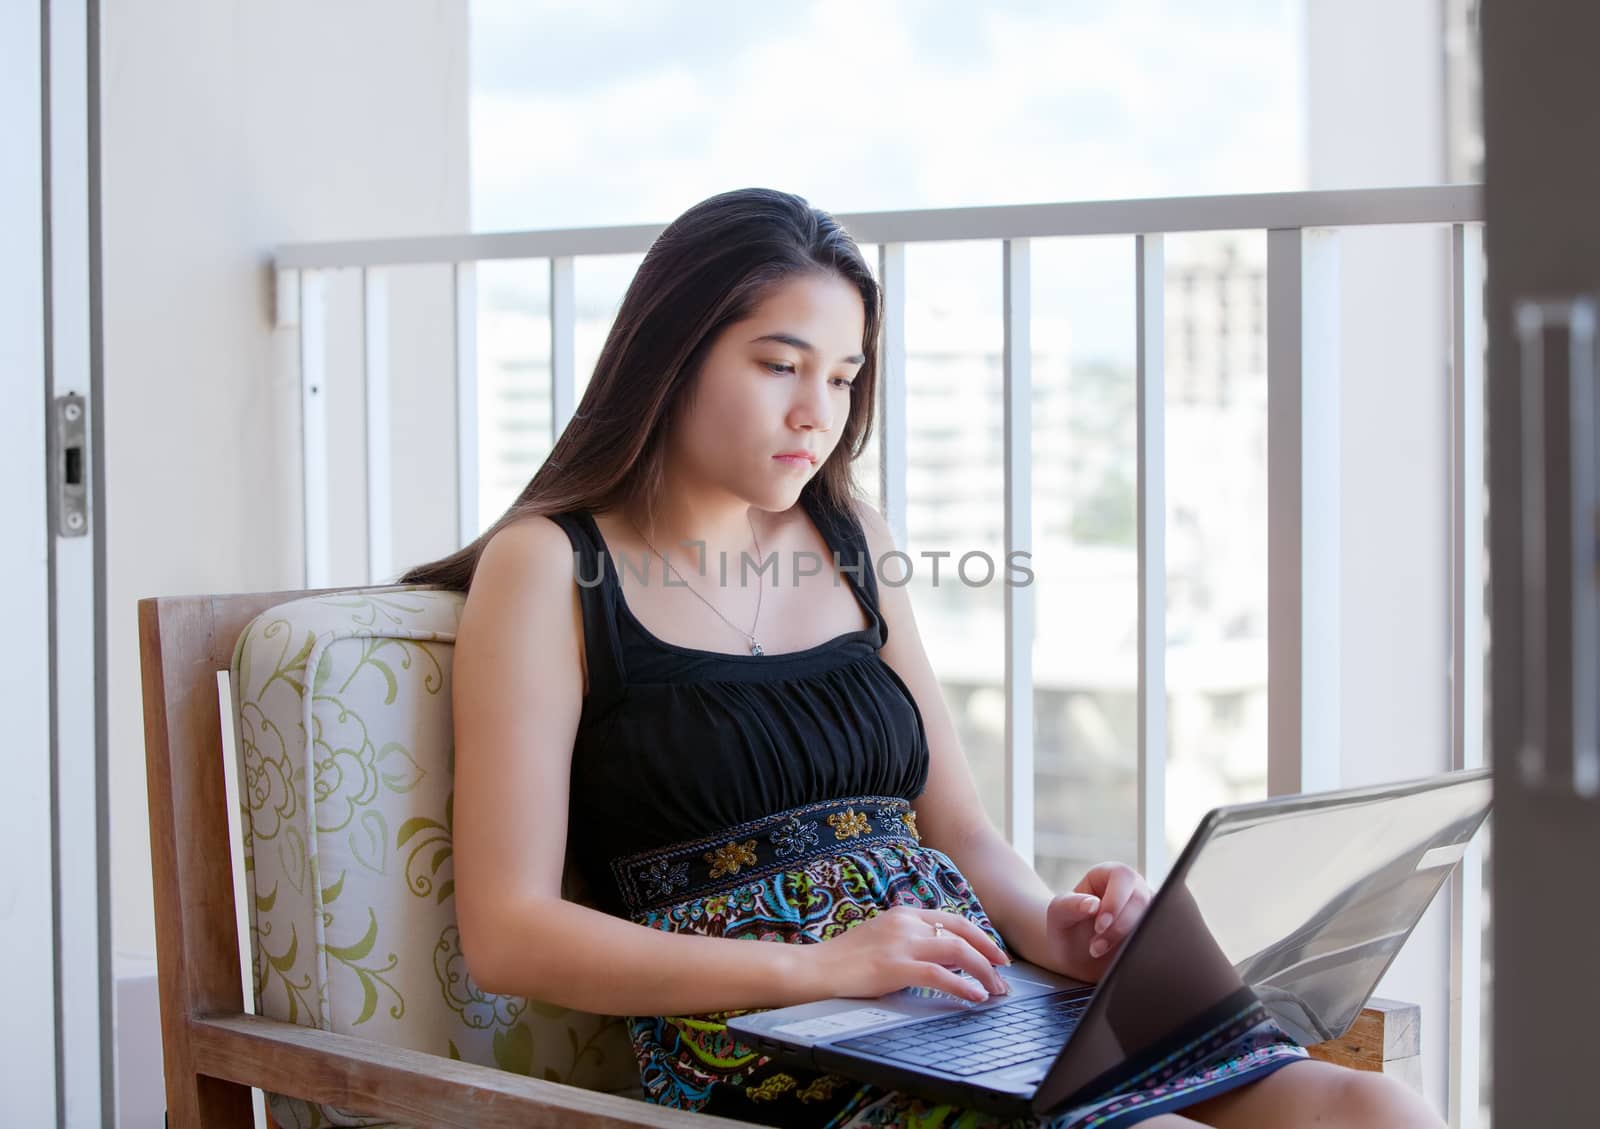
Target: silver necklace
[{"x": 755, "y": 647}]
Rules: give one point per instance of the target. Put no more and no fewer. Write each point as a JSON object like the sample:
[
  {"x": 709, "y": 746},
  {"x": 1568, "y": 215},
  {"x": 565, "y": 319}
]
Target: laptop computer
[{"x": 1300, "y": 902}]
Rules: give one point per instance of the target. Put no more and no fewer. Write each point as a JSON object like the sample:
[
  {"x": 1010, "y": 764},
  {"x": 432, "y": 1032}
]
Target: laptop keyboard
[{"x": 975, "y": 1041}]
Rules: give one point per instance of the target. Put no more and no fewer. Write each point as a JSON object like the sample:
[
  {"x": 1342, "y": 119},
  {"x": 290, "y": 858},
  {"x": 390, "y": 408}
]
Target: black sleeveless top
[{"x": 675, "y": 744}]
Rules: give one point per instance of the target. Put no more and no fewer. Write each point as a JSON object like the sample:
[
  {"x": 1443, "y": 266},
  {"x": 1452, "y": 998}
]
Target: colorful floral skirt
[{"x": 804, "y": 876}]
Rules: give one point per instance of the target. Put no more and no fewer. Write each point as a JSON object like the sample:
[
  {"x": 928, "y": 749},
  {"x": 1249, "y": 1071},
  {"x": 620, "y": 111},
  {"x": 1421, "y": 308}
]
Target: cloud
[{"x": 865, "y": 107}]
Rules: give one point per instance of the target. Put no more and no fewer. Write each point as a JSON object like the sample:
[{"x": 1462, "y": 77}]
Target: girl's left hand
[{"x": 1085, "y": 927}]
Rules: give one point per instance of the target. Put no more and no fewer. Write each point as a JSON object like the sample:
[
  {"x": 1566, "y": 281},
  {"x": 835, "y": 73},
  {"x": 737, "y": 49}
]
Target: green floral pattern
[{"x": 345, "y": 739}]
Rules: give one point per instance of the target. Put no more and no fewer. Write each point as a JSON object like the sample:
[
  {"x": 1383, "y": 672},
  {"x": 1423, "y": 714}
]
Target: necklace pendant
[{"x": 755, "y": 648}]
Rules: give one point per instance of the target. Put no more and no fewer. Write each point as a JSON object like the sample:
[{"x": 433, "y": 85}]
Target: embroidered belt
[{"x": 781, "y": 841}]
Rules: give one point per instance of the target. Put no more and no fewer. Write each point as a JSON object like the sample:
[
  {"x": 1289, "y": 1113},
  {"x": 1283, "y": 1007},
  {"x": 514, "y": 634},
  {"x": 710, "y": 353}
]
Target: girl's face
[{"x": 776, "y": 382}]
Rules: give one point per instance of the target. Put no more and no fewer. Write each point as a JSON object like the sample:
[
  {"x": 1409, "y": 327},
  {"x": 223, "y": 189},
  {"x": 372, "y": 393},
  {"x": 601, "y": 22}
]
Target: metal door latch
[{"x": 69, "y": 470}]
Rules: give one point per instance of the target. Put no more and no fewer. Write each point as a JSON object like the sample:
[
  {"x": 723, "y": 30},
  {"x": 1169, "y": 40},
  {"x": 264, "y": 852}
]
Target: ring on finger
[{"x": 938, "y": 929}]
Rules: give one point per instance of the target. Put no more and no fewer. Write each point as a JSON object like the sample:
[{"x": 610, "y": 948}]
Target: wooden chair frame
[{"x": 214, "y": 1052}]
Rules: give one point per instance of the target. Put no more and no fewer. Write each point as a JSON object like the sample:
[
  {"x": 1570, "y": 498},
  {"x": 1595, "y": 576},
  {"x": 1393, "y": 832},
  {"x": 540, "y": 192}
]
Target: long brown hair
[{"x": 709, "y": 268}]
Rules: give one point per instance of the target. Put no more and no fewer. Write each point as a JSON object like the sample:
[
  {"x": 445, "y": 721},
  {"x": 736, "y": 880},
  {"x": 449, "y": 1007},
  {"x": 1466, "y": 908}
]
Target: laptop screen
[{"x": 1304, "y": 901}]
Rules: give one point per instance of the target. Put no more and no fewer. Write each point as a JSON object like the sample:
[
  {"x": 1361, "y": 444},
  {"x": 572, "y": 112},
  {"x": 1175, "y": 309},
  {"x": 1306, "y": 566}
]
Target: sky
[{"x": 603, "y": 112}]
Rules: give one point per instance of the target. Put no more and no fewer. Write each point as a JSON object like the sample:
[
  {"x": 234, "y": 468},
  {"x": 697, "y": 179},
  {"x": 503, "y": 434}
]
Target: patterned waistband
[{"x": 784, "y": 840}]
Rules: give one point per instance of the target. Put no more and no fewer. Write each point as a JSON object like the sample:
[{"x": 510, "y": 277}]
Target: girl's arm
[
  {"x": 1056, "y": 931},
  {"x": 517, "y": 692},
  {"x": 573, "y": 956},
  {"x": 1012, "y": 893}
]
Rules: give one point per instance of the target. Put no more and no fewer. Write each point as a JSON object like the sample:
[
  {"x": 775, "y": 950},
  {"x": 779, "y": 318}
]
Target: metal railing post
[
  {"x": 1150, "y": 277},
  {"x": 1017, "y": 363},
  {"x": 1303, "y": 582}
]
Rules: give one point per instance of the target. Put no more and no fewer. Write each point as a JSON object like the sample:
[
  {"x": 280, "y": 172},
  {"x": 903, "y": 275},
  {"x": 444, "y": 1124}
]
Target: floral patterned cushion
[{"x": 344, "y": 732}]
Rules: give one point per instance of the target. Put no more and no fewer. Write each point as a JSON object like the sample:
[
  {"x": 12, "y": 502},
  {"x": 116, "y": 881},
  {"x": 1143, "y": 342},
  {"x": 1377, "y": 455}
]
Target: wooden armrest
[
  {"x": 1386, "y": 1038},
  {"x": 411, "y": 1087},
  {"x": 430, "y": 1092}
]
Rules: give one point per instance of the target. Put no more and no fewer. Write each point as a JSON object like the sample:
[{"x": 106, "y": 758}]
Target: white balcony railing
[{"x": 1302, "y": 268}]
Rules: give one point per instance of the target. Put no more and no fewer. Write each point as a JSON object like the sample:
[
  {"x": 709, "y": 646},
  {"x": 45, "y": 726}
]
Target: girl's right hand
[{"x": 899, "y": 948}]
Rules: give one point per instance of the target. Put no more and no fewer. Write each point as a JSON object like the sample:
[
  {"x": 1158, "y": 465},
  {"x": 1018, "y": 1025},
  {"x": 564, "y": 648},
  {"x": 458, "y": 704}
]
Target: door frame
[{"x": 56, "y": 1067}]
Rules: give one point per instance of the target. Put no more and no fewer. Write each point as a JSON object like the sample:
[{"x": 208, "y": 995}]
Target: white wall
[
  {"x": 1377, "y": 118},
  {"x": 229, "y": 128}
]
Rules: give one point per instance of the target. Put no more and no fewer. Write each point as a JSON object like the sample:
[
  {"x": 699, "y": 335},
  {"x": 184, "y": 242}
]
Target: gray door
[{"x": 1541, "y": 108}]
